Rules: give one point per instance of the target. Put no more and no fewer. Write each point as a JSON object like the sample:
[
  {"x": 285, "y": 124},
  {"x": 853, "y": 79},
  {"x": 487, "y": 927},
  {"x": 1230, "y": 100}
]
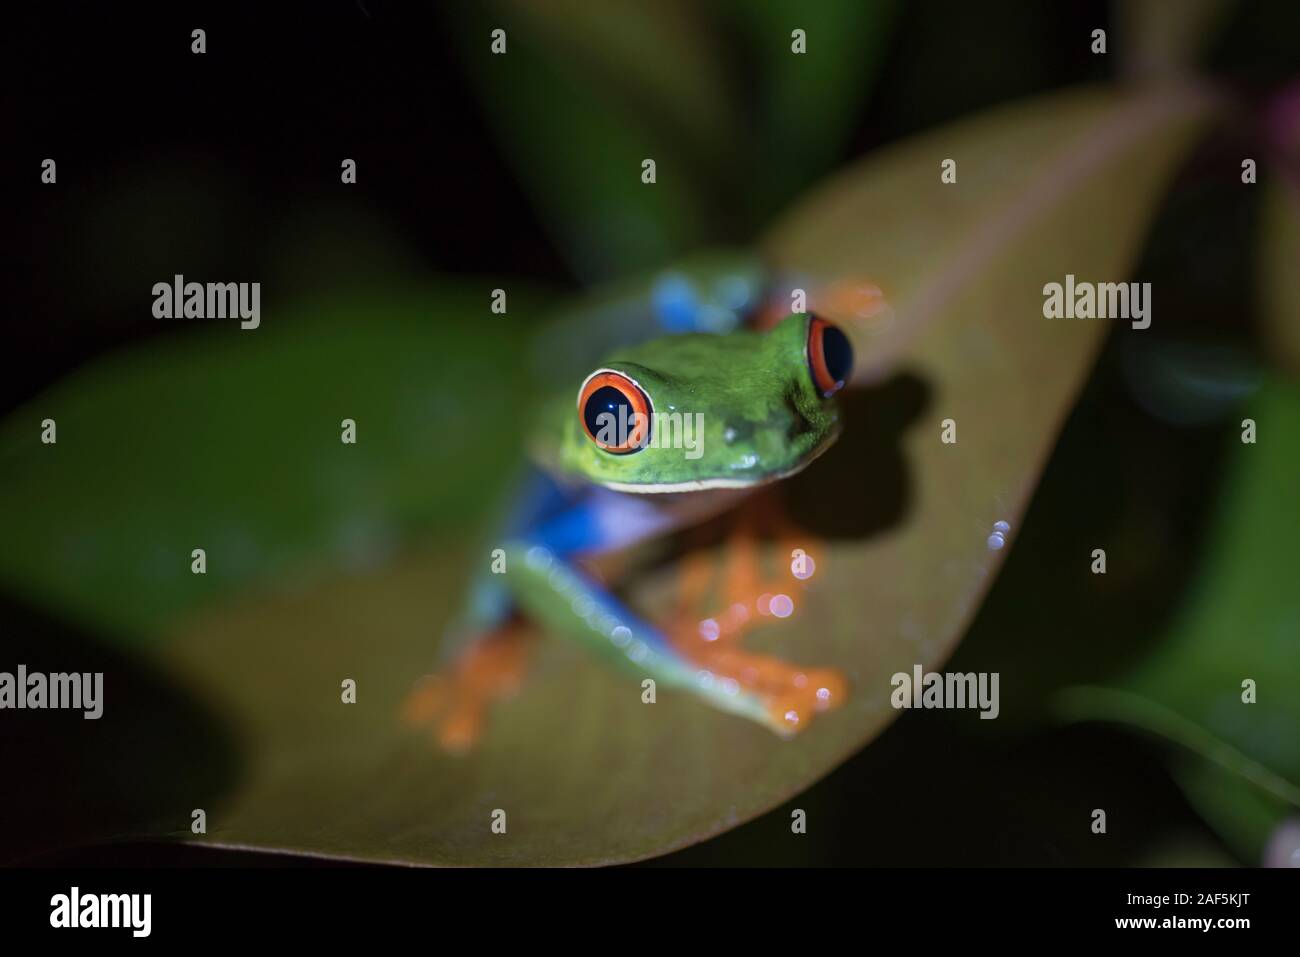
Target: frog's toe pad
[
  {"x": 425, "y": 701},
  {"x": 789, "y": 695},
  {"x": 810, "y": 692}
]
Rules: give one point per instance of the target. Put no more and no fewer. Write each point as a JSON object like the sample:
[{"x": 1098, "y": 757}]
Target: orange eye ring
[
  {"x": 615, "y": 412},
  {"x": 830, "y": 356}
]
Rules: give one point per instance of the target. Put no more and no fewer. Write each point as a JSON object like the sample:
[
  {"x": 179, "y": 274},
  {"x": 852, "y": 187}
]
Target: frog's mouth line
[{"x": 701, "y": 485}]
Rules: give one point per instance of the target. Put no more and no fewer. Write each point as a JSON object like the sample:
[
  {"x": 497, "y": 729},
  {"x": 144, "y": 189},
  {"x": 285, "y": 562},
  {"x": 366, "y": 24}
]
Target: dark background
[{"x": 285, "y": 91}]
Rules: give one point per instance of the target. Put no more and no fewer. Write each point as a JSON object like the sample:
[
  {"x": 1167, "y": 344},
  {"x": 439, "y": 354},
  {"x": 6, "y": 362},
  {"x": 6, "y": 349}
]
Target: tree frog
[{"x": 657, "y": 436}]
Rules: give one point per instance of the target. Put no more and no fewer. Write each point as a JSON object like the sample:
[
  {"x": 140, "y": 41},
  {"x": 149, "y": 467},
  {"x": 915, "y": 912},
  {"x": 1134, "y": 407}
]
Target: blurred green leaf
[
  {"x": 585, "y": 772},
  {"x": 1279, "y": 257},
  {"x": 229, "y": 440},
  {"x": 582, "y": 98},
  {"x": 661, "y": 58},
  {"x": 1245, "y": 816},
  {"x": 807, "y": 103},
  {"x": 1240, "y": 622}
]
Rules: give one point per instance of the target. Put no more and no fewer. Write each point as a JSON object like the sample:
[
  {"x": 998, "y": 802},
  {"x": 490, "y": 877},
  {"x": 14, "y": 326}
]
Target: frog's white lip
[{"x": 700, "y": 485}]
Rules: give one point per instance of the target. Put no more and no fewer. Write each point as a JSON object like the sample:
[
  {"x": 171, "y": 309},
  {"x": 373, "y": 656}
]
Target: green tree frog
[{"x": 662, "y": 434}]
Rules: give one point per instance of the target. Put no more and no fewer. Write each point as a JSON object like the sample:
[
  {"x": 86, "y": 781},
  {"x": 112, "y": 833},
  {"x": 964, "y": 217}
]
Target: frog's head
[{"x": 690, "y": 412}]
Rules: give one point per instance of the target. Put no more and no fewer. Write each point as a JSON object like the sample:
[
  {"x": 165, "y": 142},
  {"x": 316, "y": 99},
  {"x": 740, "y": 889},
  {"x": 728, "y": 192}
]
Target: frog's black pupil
[
  {"x": 608, "y": 401},
  {"x": 837, "y": 352}
]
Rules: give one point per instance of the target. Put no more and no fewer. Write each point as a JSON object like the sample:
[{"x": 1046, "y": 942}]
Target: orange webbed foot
[{"x": 456, "y": 702}]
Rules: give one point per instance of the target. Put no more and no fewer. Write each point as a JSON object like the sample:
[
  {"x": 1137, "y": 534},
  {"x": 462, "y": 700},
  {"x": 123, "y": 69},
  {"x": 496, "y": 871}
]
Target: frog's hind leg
[
  {"x": 749, "y": 598},
  {"x": 483, "y": 654}
]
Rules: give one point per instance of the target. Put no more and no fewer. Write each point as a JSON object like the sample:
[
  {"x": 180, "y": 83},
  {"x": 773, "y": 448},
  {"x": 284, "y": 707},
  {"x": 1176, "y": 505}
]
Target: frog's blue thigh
[
  {"x": 565, "y": 521},
  {"x": 488, "y": 602}
]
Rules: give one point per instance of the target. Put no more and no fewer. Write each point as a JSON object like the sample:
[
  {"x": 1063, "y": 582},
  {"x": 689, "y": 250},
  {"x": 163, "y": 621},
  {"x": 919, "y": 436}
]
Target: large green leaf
[{"x": 585, "y": 772}]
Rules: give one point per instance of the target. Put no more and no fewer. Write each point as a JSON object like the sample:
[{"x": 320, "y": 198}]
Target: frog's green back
[{"x": 713, "y": 290}]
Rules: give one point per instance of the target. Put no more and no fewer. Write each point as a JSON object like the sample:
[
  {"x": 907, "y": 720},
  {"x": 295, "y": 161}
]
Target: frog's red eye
[
  {"x": 830, "y": 356},
  {"x": 615, "y": 412}
]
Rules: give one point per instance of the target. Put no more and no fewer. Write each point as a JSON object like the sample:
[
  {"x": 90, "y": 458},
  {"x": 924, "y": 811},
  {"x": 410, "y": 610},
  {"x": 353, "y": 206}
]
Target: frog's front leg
[
  {"x": 486, "y": 652},
  {"x": 456, "y": 701}
]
